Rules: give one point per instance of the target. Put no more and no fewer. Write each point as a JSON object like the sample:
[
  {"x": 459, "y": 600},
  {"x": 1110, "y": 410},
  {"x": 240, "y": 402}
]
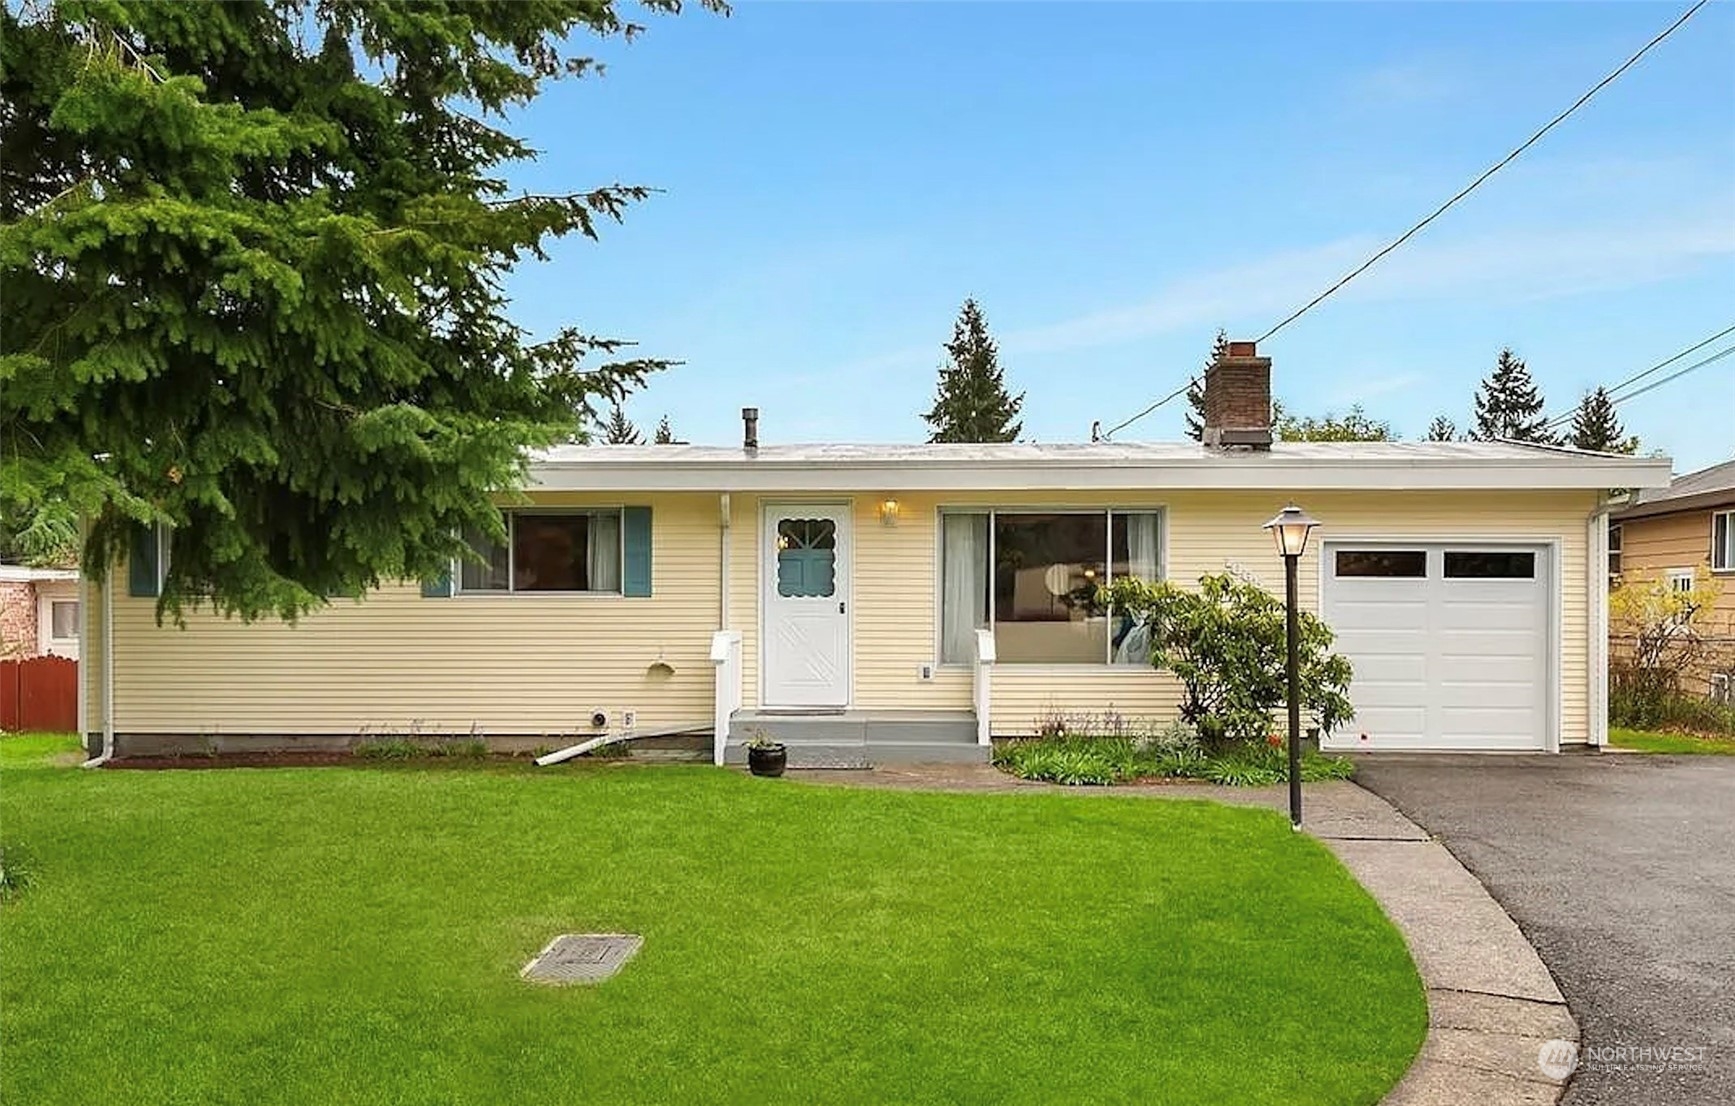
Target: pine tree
[
  {"x": 1509, "y": 404},
  {"x": 255, "y": 259},
  {"x": 1596, "y": 427},
  {"x": 619, "y": 430},
  {"x": 1442, "y": 429},
  {"x": 1196, "y": 390},
  {"x": 665, "y": 433},
  {"x": 971, "y": 403}
]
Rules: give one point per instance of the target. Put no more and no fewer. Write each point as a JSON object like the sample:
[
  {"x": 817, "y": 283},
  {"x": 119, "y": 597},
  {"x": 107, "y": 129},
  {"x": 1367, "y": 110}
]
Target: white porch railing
[
  {"x": 984, "y": 690},
  {"x": 726, "y": 656}
]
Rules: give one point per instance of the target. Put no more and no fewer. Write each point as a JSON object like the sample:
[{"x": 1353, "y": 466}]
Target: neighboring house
[
  {"x": 907, "y": 602},
  {"x": 38, "y": 611},
  {"x": 1678, "y": 534}
]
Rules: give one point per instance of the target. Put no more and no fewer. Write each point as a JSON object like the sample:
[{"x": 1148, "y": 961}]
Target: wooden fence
[{"x": 39, "y": 693}]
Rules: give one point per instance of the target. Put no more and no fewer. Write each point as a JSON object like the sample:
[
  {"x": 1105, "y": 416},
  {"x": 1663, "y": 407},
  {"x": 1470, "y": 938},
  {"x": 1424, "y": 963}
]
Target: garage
[{"x": 1450, "y": 643}]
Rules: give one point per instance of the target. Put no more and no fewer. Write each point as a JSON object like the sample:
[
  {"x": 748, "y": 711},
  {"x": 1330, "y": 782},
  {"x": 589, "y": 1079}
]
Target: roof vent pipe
[{"x": 750, "y": 428}]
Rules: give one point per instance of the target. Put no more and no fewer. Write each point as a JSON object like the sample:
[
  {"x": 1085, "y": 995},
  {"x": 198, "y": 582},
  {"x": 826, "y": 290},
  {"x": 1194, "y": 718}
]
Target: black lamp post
[{"x": 1290, "y": 529}]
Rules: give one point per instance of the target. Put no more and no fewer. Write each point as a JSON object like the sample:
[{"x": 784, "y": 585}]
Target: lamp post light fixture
[{"x": 1289, "y": 530}]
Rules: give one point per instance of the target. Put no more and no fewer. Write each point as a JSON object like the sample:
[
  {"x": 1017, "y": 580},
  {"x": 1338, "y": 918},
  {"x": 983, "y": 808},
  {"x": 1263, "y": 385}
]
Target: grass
[
  {"x": 1651, "y": 741},
  {"x": 354, "y": 934}
]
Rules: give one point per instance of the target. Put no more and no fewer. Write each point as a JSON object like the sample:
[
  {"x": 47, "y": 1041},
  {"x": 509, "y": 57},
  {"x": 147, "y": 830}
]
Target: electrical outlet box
[
  {"x": 629, "y": 719},
  {"x": 924, "y": 672}
]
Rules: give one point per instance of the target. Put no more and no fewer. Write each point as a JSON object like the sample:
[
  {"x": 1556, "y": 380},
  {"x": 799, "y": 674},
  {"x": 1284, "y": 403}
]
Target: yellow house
[{"x": 911, "y": 602}]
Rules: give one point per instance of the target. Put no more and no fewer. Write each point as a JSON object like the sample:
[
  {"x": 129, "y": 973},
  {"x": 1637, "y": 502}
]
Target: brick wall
[{"x": 17, "y": 618}]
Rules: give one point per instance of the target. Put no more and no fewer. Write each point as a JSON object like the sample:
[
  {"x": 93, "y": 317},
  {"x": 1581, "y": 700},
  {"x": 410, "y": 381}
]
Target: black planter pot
[{"x": 767, "y": 760}]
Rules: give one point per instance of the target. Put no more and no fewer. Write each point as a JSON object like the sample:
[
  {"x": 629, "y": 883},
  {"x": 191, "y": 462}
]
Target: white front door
[{"x": 805, "y": 549}]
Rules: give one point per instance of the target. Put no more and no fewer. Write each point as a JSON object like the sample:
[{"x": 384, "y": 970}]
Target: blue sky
[{"x": 1113, "y": 182}]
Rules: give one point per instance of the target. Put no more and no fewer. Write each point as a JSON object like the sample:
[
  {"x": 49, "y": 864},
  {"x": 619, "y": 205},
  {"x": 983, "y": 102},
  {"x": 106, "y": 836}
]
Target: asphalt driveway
[{"x": 1620, "y": 869}]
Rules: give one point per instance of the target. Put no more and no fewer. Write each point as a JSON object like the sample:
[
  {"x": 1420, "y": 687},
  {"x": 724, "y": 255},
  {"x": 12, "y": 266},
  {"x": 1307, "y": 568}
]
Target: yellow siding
[
  {"x": 398, "y": 662},
  {"x": 525, "y": 664}
]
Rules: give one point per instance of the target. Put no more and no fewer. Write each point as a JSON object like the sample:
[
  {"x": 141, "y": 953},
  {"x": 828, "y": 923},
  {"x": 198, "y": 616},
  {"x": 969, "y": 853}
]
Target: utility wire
[
  {"x": 1675, "y": 375},
  {"x": 1110, "y": 432},
  {"x": 1567, "y": 417},
  {"x": 1495, "y": 168}
]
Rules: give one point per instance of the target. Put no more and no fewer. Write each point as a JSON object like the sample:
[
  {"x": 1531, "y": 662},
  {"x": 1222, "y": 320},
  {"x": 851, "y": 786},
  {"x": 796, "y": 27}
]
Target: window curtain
[
  {"x": 964, "y": 585},
  {"x": 1131, "y": 642},
  {"x": 603, "y": 552}
]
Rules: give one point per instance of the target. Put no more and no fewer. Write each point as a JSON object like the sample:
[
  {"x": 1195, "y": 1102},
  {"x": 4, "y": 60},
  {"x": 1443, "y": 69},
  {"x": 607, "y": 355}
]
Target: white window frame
[
  {"x": 1723, "y": 688},
  {"x": 47, "y": 595},
  {"x": 1725, "y": 549},
  {"x": 1615, "y": 541},
  {"x": 1108, "y": 513},
  {"x": 511, "y": 590},
  {"x": 1680, "y": 579}
]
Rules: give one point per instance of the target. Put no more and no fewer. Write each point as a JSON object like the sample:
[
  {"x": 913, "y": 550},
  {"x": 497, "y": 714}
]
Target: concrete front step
[{"x": 858, "y": 738}]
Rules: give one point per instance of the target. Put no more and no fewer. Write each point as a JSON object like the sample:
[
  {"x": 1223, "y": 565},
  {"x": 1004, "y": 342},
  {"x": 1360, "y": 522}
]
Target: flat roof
[{"x": 1088, "y": 465}]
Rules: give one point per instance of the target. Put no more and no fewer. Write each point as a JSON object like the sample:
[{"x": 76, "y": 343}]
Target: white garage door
[{"x": 1449, "y": 643}]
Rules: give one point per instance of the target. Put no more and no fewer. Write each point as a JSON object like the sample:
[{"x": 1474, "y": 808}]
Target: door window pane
[
  {"x": 1409, "y": 563},
  {"x": 806, "y": 557},
  {"x": 1462, "y": 565},
  {"x": 1046, "y": 571}
]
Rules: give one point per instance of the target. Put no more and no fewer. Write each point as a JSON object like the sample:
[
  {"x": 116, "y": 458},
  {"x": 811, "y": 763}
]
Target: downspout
[
  {"x": 1597, "y": 617},
  {"x": 83, "y": 661},
  {"x": 107, "y": 753},
  {"x": 723, "y": 562}
]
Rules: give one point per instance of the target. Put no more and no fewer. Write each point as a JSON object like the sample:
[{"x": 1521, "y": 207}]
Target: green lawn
[
  {"x": 354, "y": 935},
  {"x": 1646, "y": 741}
]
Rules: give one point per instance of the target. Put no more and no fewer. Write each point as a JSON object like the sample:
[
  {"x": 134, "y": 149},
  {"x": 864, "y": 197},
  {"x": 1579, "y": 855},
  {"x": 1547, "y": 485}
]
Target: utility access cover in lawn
[{"x": 582, "y": 958}]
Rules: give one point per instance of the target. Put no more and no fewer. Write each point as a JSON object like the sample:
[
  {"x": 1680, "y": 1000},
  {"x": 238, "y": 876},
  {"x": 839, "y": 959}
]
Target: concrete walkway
[{"x": 1492, "y": 1006}]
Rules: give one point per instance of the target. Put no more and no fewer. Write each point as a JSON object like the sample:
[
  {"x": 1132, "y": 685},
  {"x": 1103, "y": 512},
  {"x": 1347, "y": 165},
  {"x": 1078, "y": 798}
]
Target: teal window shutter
[
  {"x": 440, "y": 588},
  {"x": 144, "y": 563},
  {"x": 636, "y": 562}
]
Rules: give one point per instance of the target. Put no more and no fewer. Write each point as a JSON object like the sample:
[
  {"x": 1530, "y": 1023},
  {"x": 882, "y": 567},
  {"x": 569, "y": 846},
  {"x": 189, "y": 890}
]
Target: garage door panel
[
  {"x": 1453, "y": 659},
  {"x": 1410, "y": 615}
]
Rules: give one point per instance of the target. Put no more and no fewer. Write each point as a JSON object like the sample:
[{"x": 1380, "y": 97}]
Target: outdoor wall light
[{"x": 889, "y": 511}]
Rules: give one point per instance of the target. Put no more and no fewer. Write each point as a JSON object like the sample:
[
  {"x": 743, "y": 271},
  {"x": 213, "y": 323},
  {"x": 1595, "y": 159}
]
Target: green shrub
[
  {"x": 389, "y": 748},
  {"x": 1641, "y": 698},
  {"x": 1167, "y": 753},
  {"x": 474, "y": 748},
  {"x": 1227, "y": 643},
  {"x": 1070, "y": 759}
]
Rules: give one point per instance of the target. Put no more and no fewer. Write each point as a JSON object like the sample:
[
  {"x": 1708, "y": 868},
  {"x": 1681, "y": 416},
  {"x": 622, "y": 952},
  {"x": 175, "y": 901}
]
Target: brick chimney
[{"x": 1238, "y": 399}]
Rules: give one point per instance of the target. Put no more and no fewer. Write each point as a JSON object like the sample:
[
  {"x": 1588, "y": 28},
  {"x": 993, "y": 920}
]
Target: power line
[
  {"x": 1110, "y": 432},
  {"x": 1559, "y": 420},
  {"x": 1674, "y": 376},
  {"x": 1495, "y": 168}
]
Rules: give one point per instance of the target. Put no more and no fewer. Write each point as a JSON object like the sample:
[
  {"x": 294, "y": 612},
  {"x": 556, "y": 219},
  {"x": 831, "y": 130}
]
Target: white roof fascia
[
  {"x": 1248, "y": 472},
  {"x": 31, "y": 575}
]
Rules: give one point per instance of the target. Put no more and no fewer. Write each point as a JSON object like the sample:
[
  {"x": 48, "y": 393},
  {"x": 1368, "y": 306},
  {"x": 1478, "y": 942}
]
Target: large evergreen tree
[
  {"x": 1596, "y": 426},
  {"x": 253, "y": 256},
  {"x": 1196, "y": 390},
  {"x": 1509, "y": 404},
  {"x": 972, "y": 403},
  {"x": 619, "y": 430},
  {"x": 1442, "y": 429}
]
